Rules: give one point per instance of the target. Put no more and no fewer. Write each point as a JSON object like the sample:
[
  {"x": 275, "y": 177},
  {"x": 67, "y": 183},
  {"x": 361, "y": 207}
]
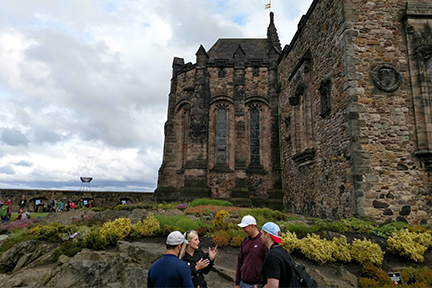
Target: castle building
[{"x": 337, "y": 124}]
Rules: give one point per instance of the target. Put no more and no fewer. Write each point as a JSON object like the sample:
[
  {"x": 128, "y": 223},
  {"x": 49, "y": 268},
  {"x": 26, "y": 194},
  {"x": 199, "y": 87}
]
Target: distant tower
[{"x": 85, "y": 183}]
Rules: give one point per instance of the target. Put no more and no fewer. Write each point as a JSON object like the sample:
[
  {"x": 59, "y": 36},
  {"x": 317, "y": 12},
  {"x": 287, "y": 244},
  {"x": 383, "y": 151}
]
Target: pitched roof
[{"x": 253, "y": 48}]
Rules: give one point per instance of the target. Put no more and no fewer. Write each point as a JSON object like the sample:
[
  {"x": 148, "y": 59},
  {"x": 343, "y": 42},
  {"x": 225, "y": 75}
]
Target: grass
[{"x": 32, "y": 215}]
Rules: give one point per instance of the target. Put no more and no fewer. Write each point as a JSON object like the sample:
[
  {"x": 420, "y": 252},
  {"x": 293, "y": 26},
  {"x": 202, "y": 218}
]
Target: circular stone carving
[{"x": 386, "y": 78}]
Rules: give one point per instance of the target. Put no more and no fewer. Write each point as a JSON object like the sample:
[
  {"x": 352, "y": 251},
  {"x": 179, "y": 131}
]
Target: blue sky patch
[{"x": 239, "y": 19}]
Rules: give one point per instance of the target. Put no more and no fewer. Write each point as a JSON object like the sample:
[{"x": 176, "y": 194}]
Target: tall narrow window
[
  {"x": 254, "y": 136},
  {"x": 430, "y": 70},
  {"x": 221, "y": 136}
]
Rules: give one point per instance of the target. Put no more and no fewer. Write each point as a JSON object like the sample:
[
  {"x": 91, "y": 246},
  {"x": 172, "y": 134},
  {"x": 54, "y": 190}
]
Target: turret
[{"x": 272, "y": 36}]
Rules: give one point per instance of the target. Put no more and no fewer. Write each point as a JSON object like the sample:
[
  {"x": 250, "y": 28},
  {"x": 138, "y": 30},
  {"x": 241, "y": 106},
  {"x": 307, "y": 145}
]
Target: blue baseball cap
[{"x": 274, "y": 231}]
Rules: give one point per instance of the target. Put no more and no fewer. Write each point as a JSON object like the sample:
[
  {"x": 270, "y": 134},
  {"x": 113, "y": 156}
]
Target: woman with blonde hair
[{"x": 197, "y": 261}]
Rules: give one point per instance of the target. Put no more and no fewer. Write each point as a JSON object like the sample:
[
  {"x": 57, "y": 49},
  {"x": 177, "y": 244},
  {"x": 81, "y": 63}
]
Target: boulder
[{"x": 22, "y": 253}]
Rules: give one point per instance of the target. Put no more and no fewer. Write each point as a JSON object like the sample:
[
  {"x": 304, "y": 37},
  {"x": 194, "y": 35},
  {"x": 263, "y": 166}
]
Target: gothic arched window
[
  {"x": 430, "y": 69},
  {"x": 254, "y": 136},
  {"x": 221, "y": 133}
]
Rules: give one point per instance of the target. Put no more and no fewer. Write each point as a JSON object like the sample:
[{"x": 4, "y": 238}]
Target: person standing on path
[
  {"x": 194, "y": 256},
  {"x": 6, "y": 212},
  {"x": 276, "y": 273},
  {"x": 170, "y": 271},
  {"x": 251, "y": 255},
  {"x": 23, "y": 203}
]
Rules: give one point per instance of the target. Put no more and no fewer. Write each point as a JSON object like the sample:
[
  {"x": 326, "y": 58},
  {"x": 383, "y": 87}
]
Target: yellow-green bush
[
  {"x": 290, "y": 242},
  {"x": 424, "y": 239},
  {"x": 341, "y": 249},
  {"x": 316, "y": 249},
  {"x": 47, "y": 232},
  {"x": 365, "y": 251},
  {"x": 220, "y": 219},
  {"x": 408, "y": 244},
  {"x": 116, "y": 230},
  {"x": 148, "y": 227}
]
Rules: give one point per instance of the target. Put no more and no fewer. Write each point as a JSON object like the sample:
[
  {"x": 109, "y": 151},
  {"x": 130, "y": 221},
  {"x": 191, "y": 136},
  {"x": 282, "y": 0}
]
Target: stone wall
[
  {"x": 369, "y": 154},
  {"x": 317, "y": 175},
  {"x": 100, "y": 198},
  {"x": 394, "y": 182}
]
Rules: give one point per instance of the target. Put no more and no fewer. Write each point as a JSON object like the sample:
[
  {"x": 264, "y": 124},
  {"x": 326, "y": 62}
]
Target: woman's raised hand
[{"x": 212, "y": 252}]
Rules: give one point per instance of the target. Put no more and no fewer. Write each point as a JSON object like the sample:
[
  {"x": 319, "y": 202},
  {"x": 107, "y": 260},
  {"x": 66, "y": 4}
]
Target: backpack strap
[{"x": 287, "y": 258}]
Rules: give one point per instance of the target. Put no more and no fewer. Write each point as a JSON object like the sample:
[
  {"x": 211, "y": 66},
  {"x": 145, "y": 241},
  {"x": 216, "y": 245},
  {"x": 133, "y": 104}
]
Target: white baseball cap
[
  {"x": 247, "y": 220},
  {"x": 176, "y": 238}
]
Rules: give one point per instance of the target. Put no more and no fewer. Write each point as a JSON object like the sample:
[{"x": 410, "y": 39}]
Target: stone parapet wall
[{"x": 100, "y": 198}]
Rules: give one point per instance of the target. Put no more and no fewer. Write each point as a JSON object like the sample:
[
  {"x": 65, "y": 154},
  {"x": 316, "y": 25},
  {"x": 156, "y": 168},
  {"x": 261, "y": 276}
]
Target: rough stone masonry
[{"x": 336, "y": 124}]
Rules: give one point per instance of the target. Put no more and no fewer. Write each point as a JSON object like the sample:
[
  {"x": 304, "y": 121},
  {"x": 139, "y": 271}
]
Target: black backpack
[{"x": 300, "y": 278}]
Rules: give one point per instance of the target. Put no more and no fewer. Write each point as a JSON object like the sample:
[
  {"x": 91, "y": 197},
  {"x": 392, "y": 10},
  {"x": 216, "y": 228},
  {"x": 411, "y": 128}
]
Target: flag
[{"x": 267, "y": 6}]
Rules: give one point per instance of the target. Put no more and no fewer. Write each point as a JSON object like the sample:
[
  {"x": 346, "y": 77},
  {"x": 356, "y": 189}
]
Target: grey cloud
[
  {"x": 7, "y": 170},
  {"x": 23, "y": 163},
  {"x": 13, "y": 137},
  {"x": 46, "y": 136}
]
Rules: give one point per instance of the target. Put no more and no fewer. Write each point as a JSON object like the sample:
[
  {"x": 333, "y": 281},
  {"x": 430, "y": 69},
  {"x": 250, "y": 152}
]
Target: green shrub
[
  {"x": 357, "y": 225},
  {"x": 167, "y": 229},
  {"x": 266, "y": 214},
  {"x": 49, "y": 232},
  {"x": 388, "y": 229},
  {"x": 95, "y": 240},
  {"x": 365, "y": 251},
  {"x": 214, "y": 202},
  {"x": 69, "y": 248},
  {"x": 182, "y": 222},
  {"x": 236, "y": 232},
  {"x": 329, "y": 225},
  {"x": 301, "y": 229}
]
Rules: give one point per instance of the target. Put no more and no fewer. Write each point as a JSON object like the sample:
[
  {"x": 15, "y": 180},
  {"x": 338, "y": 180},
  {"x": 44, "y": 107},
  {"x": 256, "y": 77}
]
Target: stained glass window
[
  {"x": 254, "y": 136},
  {"x": 221, "y": 135}
]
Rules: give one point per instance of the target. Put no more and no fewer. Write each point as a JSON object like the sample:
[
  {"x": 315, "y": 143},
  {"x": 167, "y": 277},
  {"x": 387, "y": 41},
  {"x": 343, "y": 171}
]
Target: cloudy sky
[{"x": 84, "y": 84}]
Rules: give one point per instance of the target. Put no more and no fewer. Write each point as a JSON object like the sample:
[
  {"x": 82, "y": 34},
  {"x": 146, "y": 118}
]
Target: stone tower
[{"x": 222, "y": 132}]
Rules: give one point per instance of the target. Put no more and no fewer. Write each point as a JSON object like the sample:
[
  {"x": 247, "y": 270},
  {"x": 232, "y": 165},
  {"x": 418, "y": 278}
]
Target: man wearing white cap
[
  {"x": 169, "y": 271},
  {"x": 251, "y": 255},
  {"x": 275, "y": 271}
]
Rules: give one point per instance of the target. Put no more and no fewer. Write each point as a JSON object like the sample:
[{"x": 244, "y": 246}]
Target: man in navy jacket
[{"x": 170, "y": 271}]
